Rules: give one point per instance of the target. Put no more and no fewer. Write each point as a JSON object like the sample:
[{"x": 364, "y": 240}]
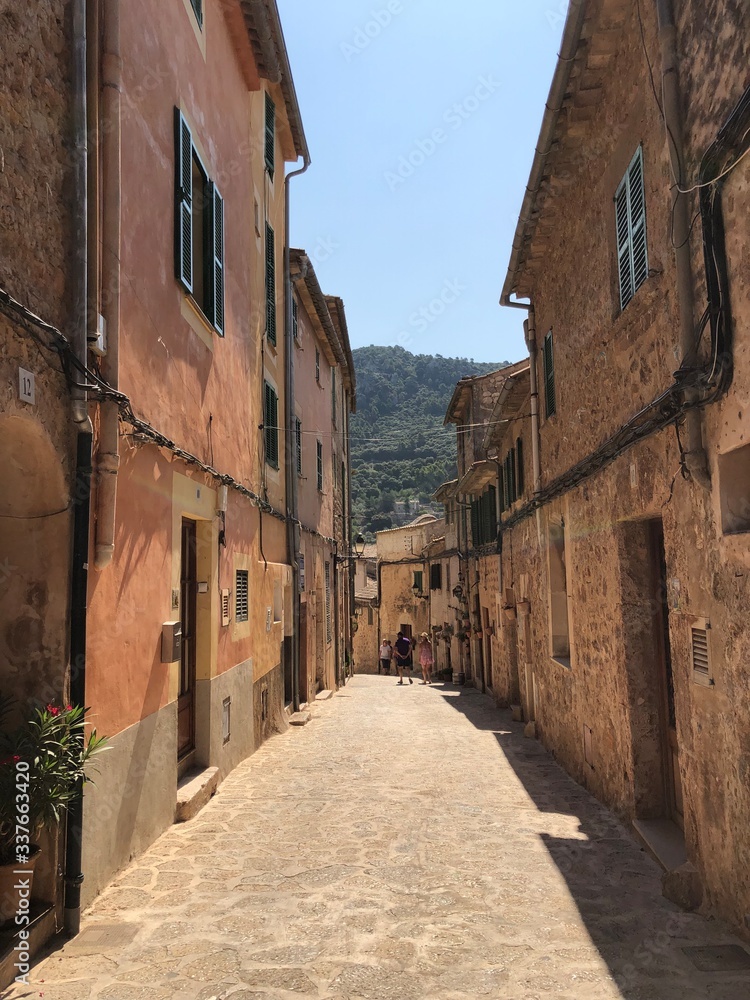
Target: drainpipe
[
  {"x": 292, "y": 498},
  {"x": 696, "y": 461},
  {"x": 84, "y": 447},
  {"x": 108, "y": 461}
]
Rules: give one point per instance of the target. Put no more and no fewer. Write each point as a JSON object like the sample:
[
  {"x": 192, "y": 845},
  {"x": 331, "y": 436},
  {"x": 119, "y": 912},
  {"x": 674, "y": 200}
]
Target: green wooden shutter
[
  {"x": 271, "y": 426},
  {"x": 183, "y": 202},
  {"x": 520, "y": 476},
  {"x": 320, "y": 465},
  {"x": 198, "y": 8},
  {"x": 475, "y": 522},
  {"x": 270, "y": 136},
  {"x": 630, "y": 218},
  {"x": 217, "y": 270},
  {"x": 548, "y": 358},
  {"x": 270, "y": 284},
  {"x": 501, "y": 487}
]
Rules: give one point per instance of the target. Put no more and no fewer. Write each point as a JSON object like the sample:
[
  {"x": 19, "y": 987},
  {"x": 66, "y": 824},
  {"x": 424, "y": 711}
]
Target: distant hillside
[{"x": 400, "y": 449}]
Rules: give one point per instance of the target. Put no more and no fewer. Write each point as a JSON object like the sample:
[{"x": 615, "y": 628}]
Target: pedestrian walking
[
  {"x": 426, "y": 659},
  {"x": 402, "y": 652},
  {"x": 386, "y": 653}
]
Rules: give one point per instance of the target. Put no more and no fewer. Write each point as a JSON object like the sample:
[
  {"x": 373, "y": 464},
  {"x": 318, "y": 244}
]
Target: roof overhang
[
  {"x": 481, "y": 474},
  {"x": 338, "y": 314},
  {"x": 513, "y": 397},
  {"x": 263, "y": 25},
  {"x": 445, "y": 492},
  {"x": 568, "y": 62},
  {"x": 459, "y": 400}
]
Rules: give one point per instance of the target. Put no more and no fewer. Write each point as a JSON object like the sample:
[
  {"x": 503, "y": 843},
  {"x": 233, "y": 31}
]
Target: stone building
[
  {"x": 487, "y": 479},
  {"x": 44, "y": 425},
  {"x": 366, "y": 639},
  {"x": 324, "y": 397},
  {"x": 625, "y": 560}
]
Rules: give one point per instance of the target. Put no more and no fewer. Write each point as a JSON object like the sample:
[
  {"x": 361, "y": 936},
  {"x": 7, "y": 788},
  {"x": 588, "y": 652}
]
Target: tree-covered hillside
[{"x": 400, "y": 449}]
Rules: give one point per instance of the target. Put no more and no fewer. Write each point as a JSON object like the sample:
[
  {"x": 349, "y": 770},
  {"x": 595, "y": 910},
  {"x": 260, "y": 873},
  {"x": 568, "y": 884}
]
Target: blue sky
[{"x": 422, "y": 117}]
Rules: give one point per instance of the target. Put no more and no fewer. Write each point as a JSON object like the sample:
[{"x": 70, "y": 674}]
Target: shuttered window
[
  {"x": 271, "y": 425},
  {"x": 320, "y": 466},
  {"x": 701, "y": 652},
  {"x": 436, "y": 576},
  {"x": 333, "y": 396},
  {"x": 484, "y": 518},
  {"x": 328, "y": 601},
  {"x": 501, "y": 488},
  {"x": 418, "y": 580},
  {"x": 548, "y": 363},
  {"x": 630, "y": 212},
  {"x": 295, "y": 319},
  {"x": 298, "y": 444},
  {"x": 520, "y": 474},
  {"x": 198, "y": 8},
  {"x": 317, "y": 365},
  {"x": 270, "y": 136},
  {"x": 270, "y": 284},
  {"x": 199, "y": 228},
  {"x": 241, "y": 595}
]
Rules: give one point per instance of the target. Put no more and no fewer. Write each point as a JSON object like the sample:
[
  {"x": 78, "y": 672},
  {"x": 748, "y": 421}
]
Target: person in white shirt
[{"x": 385, "y": 657}]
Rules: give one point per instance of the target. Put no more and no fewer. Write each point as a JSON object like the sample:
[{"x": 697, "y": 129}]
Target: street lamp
[
  {"x": 417, "y": 591},
  {"x": 359, "y": 551}
]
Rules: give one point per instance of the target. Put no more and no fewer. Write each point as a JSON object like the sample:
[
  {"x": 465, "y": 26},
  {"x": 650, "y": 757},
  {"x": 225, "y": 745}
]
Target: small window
[
  {"x": 369, "y": 616},
  {"x": 270, "y": 285},
  {"x": 301, "y": 564},
  {"x": 700, "y": 632},
  {"x": 320, "y": 466},
  {"x": 199, "y": 229},
  {"x": 333, "y": 396},
  {"x": 270, "y": 136},
  {"x": 548, "y": 364},
  {"x": 328, "y": 601},
  {"x": 225, "y": 612},
  {"x": 226, "y": 720},
  {"x": 734, "y": 480},
  {"x": 295, "y": 319},
  {"x": 241, "y": 595},
  {"x": 278, "y": 604},
  {"x": 630, "y": 213},
  {"x": 298, "y": 444},
  {"x": 418, "y": 580},
  {"x": 198, "y": 9},
  {"x": 317, "y": 366},
  {"x": 520, "y": 473},
  {"x": 436, "y": 577},
  {"x": 271, "y": 426}
]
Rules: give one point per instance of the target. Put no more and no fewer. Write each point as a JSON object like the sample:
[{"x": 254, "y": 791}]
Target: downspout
[
  {"x": 292, "y": 495},
  {"x": 108, "y": 462},
  {"x": 695, "y": 458},
  {"x": 348, "y": 502},
  {"x": 84, "y": 447}
]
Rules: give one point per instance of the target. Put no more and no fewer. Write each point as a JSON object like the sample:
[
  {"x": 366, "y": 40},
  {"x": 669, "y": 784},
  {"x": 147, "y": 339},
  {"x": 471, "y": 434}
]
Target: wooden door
[
  {"x": 188, "y": 594},
  {"x": 673, "y": 778},
  {"x": 304, "y": 681}
]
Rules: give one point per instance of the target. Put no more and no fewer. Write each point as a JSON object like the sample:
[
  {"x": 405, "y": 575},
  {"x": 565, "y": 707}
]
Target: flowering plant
[{"x": 42, "y": 764}]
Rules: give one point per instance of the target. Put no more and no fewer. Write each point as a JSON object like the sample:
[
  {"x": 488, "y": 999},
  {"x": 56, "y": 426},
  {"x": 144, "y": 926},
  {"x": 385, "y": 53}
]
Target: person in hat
[
  {"x": 426, "y": 658},
  {"x": 386, "y": 655}
]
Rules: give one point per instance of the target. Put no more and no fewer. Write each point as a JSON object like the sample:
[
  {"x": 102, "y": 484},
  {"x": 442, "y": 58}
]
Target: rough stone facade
[
  {"x": 621, "y": 583},
  {"x": 37, "y": 440}
]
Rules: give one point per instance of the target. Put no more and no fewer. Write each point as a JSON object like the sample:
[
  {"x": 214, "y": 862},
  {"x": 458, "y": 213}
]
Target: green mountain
[{"x": 400, "y": 449}]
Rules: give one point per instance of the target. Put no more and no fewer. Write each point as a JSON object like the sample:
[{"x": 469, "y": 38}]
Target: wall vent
[
  {"x": 241, "y": 596},
  {"x": 225, "y": 595},
  {"x": 701, "y": 651}
]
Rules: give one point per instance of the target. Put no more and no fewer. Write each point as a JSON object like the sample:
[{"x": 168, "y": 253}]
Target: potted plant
[{"x": 42, "y": 765}]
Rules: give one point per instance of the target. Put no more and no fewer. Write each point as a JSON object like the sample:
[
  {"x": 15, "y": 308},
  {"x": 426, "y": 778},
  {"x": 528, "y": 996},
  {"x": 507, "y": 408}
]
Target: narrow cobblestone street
[{"x": 405, "y": 844}]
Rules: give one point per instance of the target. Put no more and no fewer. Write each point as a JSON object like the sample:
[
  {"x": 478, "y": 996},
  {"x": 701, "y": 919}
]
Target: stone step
[
  {"x": 300, "y": 719},
  {"x": 194, "y": 791},
  {"x": 323, "y": 695}
]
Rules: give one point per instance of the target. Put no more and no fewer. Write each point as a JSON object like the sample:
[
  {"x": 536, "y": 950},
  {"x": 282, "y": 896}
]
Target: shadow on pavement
[{"x": 645, "y": 940}]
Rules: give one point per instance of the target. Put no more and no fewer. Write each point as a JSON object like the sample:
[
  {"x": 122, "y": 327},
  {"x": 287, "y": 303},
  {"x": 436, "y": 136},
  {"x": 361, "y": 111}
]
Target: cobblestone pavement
[{"x": 405, "y": 844}]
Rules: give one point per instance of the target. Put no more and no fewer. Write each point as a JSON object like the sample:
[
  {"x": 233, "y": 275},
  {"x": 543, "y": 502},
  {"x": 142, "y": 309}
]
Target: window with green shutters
[
  {"x": 630, "y": 219},
  {"x": 418, "y": 579},
  {"x": 271, "y": 425},
  {"x": 548, "y": 365},
  {"x": 320, "y": 465},
  {"x": 270, "y": 136},
  {"x": 298, "y": 444},
  {"x": 270, "y": 284},
  {"x": 520, "y": 472},
  {"x": 484, "y": 518},
  {"x": 501, "y": 489},
  {"x": 199, "y": 228},
  {"x": 198, "y": 9}
]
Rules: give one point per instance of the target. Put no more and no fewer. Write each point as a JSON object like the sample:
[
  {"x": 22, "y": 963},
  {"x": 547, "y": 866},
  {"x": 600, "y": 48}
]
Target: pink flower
[
  {"x": 53, "y": 710},
  {"x": 68, "y": 708}
]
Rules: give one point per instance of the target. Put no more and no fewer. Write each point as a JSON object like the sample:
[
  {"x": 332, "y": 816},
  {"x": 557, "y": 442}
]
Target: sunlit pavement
[{"x": 407, "y": 843}]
